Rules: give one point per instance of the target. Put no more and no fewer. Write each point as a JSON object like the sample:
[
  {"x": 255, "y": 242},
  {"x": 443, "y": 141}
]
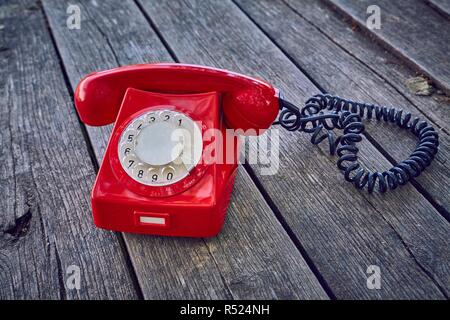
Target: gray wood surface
[
  {"x": 304, "y": 211},
  {"x": 333, "y": 222},
  {"x": 337, "y": 71},
  {"x": 382, "y": 63},
  {"x": 253, "y": 257},
  {"x": 412, "y": 30},
  {"x": 442, "y": 6},
  {"x": 46, "y": 176}
]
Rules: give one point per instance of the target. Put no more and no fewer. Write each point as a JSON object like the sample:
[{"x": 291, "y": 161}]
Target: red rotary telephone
[
  {"x": 157, "y": 176},
  {"x": 149, "y": 183}
]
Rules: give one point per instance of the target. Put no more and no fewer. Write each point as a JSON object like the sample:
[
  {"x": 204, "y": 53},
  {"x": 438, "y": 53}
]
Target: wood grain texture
[
  {"x": 337, "y": 71},
  {"x": 46, "y": 175},
  {"x": 412, "y": 30},
  {"x": 253, "y": 257},
  {"x": 382, "y": 63},
  {"x": 342, "y": 230},
  {"x": 443, "y": 6}
]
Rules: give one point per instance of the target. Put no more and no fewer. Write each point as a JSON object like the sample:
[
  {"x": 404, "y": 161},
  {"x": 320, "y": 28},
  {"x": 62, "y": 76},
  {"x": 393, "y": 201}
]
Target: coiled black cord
[{"x": 346, "y": 115}]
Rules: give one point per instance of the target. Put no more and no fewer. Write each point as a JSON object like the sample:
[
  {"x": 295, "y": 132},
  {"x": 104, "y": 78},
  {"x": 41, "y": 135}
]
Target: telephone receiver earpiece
[{"x": 247, "y": 103}]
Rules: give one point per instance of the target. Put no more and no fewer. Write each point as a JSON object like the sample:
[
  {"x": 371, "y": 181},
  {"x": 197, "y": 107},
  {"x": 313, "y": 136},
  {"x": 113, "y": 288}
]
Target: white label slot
[{"x": 152, "y": 220}]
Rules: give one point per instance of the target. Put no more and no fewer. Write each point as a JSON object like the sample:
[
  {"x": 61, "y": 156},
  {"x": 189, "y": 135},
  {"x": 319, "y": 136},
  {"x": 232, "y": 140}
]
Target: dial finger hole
[
  {"x": 139, "y": 171},
  {"x": 166, "y": 116},
  {"x": 179, "y": 120},
  {"x": 130, "y": 162},
  {"x": 126, "y": 149},
  {"x": 130, "y": 135},
  {"x": 153, "y": 175},
  {"x": 138, "y": 124},
  {"x": 151, "y": 117},
  {"x": 168, "y": 173}
]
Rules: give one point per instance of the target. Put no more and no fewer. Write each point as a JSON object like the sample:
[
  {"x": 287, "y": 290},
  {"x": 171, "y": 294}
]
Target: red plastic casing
[{"x": 195, "y": 206}]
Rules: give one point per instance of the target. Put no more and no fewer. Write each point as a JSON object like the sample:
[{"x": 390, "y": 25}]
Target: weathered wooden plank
[
  {"x": 45, "y": 176},
  {"x": 442, "y": 6},
  {"x": 253, "y": 255},
  {"x": 247, "y": 260},
  {"x": 390, "y": 68},
  {"x": 342, "y": 230},
  {"x": 412, "y": 30},
  {"x": 338, "y": 71}
]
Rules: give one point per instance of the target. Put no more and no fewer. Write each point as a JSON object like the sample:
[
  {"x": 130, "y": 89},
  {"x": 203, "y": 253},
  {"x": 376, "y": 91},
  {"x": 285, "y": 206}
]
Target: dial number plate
[{"x": 160, "y": 147}]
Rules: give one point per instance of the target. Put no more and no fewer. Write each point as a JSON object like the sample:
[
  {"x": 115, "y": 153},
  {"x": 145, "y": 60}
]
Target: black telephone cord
[{"x": 346, "y": 115}]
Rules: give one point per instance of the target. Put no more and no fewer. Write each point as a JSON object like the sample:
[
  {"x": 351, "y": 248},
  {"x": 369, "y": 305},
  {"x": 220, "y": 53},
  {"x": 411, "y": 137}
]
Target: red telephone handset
[{"x": 167, "y": 169}]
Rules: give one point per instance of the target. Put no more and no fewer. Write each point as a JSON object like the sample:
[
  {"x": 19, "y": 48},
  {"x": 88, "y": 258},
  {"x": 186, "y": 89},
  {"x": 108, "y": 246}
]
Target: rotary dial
[{"x": 160, "y": 147}]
